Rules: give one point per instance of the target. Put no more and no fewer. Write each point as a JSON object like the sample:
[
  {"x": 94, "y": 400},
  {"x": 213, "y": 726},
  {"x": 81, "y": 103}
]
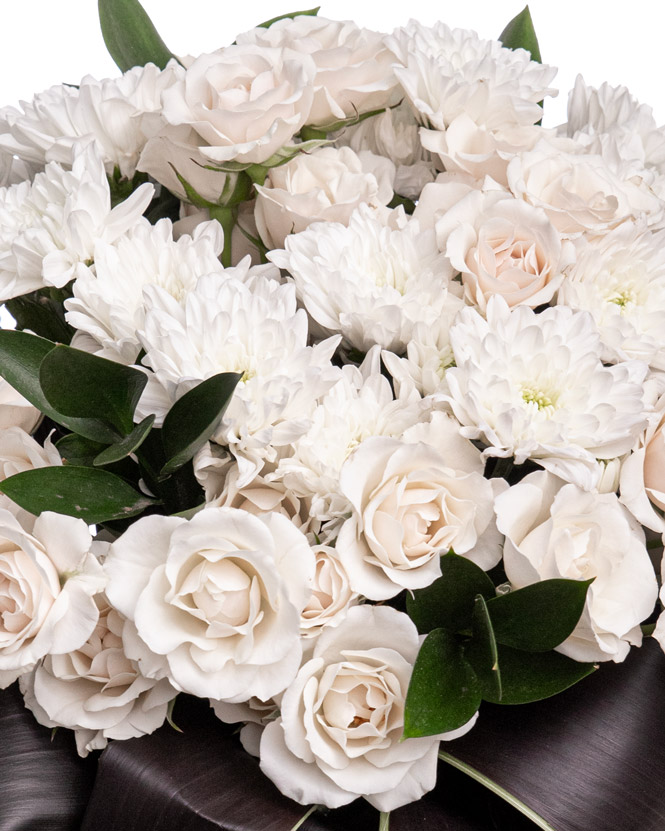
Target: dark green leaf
[
  {"x": 538, "y": 617},
  {"x": 84, "y": 492},
  {"x": 21, "y": 355},
  {"x": 194, "y": 418},
  {"x": 130, "y": 35},
  {"x": 481, "y": 651},
  {"x": 288, "y": 16},
  {"x": 128, "y": 445},
  {"x": 520, "y": 34},
  {"x": 78, "y": 451},
  {"x": 444, "y": 692},
  {"x": 42, "y": 315},
  {"x": 531, "y": 676},
  {"x": 448, "y": 603},
  {"x": 79, "y": 384}
]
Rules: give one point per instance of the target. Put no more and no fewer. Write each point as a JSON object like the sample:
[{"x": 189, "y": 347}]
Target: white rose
[
  {"x": 340, "y": 731},
  {"x": 15, "y": 411},
  {"x": 244, "y": 102},
  {"x": 353, "y": 68},
  {"x": 97, "y": 691},
  {"x": 501, "y": 245},
  {"x": 326, "y": 185},
  {"x": 216, "y": 599},
  {"x": 409, "y": 506},
  {"x": 47, "y": 582},
  {"x": 555, "y": 530},
  {"x": 332, "y": 595}
]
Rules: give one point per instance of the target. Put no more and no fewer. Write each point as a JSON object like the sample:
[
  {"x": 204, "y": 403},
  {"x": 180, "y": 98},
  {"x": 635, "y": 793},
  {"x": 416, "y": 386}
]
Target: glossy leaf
[
  {"x": 444, "y": 692},
  {"x": 42, "y": 315},
  {"x": 520, "y": 34},
  {"x": 78, "y": 451},
  {"x": 481, "y": 651},
  {"x": 128, "y": 445},
  {"x": 532, "y": 676},
  {"x": 538, "y": 617},
  {"x": 288, "y": 16},
  {"x": 21, "y": 356},
  {"x": 193, "y": 419},
  {"x": 79, "y": 384},
  {"x": 84, "y": 492},
  {"x": 448, "y": 602},
  {"x": 130, "y": 35}
]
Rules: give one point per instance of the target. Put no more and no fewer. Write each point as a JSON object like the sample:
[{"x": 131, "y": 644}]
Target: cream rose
[
  {"x": 409, "y": 506},
  {"x": 15, "y": 411},
  {"x": 216, "y": 600},
  {"x": 331, "y": 594},
  {"x": 340, "y": 731},
  {"x": 96, "y": 690},
  {"x": 354, "y": 70},
  {"x": 501, "y": 245},
  {"x": 557, "y": 530},
  {"x": 47, "y": 582},
  {"x": 323, "y": 186}
]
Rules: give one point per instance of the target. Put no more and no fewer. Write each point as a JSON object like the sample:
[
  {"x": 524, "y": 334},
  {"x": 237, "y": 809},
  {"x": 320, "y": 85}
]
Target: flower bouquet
[{"x": 335, "y": 400}]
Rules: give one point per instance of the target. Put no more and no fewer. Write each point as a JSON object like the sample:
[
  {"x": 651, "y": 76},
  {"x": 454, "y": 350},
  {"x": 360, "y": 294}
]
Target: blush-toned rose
[
  {"x": 502, "y": 245},
  {"x": 409, "y": 506},
  {"x": 339, "y": 735},
  {"x": 48, "y": 579},
  {"x": 215, "y": 600},
  {"x": 96, "y": 690},
  {"x": 557, "y": 530},
  {"x": 332, "y": 595}
]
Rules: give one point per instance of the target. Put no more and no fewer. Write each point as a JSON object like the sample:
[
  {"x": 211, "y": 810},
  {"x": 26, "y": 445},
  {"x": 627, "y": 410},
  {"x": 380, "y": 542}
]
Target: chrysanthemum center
[
  {"x": 542, "y": 400},
  {"x": 622, "y": 298}
]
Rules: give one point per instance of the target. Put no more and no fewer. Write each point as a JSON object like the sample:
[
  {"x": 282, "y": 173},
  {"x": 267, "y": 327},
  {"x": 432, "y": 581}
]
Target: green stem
[
  {"x": 226, "y": 218},
  {"x": 304, "y": 818},
  {"x": 497, "y": 789},
  {"x": 658, "y": 543},
  {"x": 384, "y": 821}
]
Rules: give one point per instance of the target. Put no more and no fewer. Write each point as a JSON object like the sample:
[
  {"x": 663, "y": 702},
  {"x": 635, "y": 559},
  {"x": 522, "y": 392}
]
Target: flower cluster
[{"x": 358, "y": 332}]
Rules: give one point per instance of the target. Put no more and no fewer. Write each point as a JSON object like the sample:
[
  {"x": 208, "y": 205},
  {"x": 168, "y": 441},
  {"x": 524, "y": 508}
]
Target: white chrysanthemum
[
  {"x": 620, "y": 279},
  {"x": 251, "y": 327},
  {"x": 360, "y": 405},
  {"x": 534, "y": 386},
  {"x": 452, "y": 72},
  {"x": 373, "y": 280},
  {"x": 108, "y": 304},
  {"x": 49, "y": 227},
  {"x": 613, "y": 114},
  {"x": 108, "y": 111}
]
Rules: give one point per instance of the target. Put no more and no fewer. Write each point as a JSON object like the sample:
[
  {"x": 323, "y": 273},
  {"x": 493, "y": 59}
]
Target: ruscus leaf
[
  {"x": 520, "y": 34},
  {"x": 288, "y": 16},
  {"x": 128, "y": 445},
  {"x": 481, "y": 651},
  {"x": 83, "y": 492},
  {"x": 130, "y": 36}
]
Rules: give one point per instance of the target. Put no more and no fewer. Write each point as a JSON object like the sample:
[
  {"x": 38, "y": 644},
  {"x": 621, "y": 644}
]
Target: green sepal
[
  {"x": 288, "y": 16},
  {"x": 520, "y": 34},
  {"x": 448, "y": 603},
  {"x": 130, "y": 36},
  {"x": 481, "y": 651},
  {"x": 130, "y": 443},
  {"x": 444, "y": 692},
  {"x": 79, "y": 384},
  {"x": 532, "y": 676},
  {"x": 84, "y": 492},
  {"x": 538, "y": 617},
  {"x": 193, "y": 419},
  {"x": 258, "y": 172}
]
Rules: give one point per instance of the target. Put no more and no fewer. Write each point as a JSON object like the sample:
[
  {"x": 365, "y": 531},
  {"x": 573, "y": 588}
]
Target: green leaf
[
  {"x": 531, "y": 676},
  {"x": 78, "y": 451},
  {"x": 130, "y": 35},
  {"x": 481, "y": 651},
  {"x": 538, "y": 617},
  {"x": 128, "y": 445},
  {"x": 288, "y": 16},
  {"x": 444, "y": 692},
  {"x": 79, "y": 384},
  {"x": 87, "y": 493},
  {"x": 448, "y": 602},
  {"x": 21, "y": 355},
  {"x": 42, "y": 315},
  {"x": 520, "y": 34},
  {"x": 193, "y": 419}
]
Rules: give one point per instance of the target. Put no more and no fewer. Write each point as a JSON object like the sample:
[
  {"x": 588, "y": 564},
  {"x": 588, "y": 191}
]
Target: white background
[{"x": 45, "y": 42}]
